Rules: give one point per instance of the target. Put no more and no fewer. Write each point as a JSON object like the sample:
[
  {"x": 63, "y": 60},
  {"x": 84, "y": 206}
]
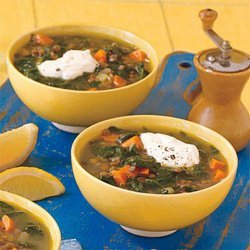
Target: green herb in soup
[
  {"x": 21, "y": 231},
  {"x": 154, "y": 163},
  {"x": 106, "y": 62}
]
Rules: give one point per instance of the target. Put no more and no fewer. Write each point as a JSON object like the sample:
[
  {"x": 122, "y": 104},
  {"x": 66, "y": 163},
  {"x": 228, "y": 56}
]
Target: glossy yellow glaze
[
  {"x": 152, "y": 212},
  {"x": 39, "y": 213},
  {"x": 81, "y": 108}
]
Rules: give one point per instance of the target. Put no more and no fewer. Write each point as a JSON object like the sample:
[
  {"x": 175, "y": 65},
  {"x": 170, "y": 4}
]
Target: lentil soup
[
  {"x": 117, "y": 63},
  {"x": 21, "y": 231},
  {"x": 152, "y": 162}
]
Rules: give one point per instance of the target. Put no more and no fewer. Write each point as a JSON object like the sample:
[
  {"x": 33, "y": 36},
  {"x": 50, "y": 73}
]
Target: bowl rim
[
  {"x": 11, "y": 64},
  {"x": 30, "y": 206},
  {"x": 230, "y": 175}
]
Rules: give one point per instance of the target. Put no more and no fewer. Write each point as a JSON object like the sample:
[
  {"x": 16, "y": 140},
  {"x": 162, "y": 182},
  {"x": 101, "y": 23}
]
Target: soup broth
[
  {"x": 119, "y": 157},
  {"x": 119, "y": 63},
  {"x": 21, "y": 231}
]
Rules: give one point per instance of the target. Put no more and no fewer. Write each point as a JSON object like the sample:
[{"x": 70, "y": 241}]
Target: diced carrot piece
[
  {"x": 106, "y": 132},
  {"x": 110, "y": 137},
  {"x": 119, "y": 177},
  {"x": 216, "y": 164},
  {"x": 1, "y": 226},
  {"x": 119, "y": 81},
  {"x": 126, "y": 170},
  {"x": 138, "y": 55},
  {"x": 92, "y": 89},
  {"x": 9, "y": 224},
  {"x": 143, "y": 172},
  {"x": 135, "y": 140},
  {"x": 43, "y": 39},
  {"x": 107, "y": 136},
  {"x": 101, "y": 56},
  {"x": 219, "y": 174}
]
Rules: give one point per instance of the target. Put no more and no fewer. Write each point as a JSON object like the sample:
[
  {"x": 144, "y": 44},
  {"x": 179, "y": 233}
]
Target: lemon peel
[
  {"x": 30, "y": 182},
  {"x": 16, "y": 145}
]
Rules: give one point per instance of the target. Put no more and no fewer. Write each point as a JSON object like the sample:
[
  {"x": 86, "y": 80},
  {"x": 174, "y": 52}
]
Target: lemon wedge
[
  {"x": 16, "y": 145},
  {"x": 30, "y": 182}
]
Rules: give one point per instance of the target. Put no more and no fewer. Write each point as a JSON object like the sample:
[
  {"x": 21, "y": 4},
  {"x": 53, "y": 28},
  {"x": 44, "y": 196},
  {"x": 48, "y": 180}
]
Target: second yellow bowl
[
  {"x": 152, "y": 213},
  {"x": 80, "y": 108}
]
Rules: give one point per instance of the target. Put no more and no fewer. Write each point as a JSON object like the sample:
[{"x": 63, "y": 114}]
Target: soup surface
[
  {"x": 20, "y": 230},
  {"x": 152, "y": 162},
  {"x": 106, "y": 62}
]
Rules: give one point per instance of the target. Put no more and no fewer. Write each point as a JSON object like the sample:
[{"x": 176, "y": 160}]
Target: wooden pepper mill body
[{"x": 220, "y": 107}]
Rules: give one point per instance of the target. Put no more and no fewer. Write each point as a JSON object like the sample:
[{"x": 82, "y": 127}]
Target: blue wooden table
[{"x": 227, "y": 228}]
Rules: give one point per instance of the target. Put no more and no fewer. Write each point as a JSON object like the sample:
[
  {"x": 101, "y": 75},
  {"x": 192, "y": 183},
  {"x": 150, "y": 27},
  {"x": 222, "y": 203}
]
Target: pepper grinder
[{"x": 223, "y": 73}]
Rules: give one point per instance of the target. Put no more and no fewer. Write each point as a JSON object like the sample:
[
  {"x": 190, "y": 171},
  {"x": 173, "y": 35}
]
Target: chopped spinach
[
  {"x": 115, "y": 130},
  {"x": 168, "y": 190},
  {"x": 108, "y": 179},
  {"x": 190, "y": 188},
  {"x": 198, "y": 171},
  {"x": 213, "y": 150},
  {"x": 140, "y": 70},
  {"x": 116, "y": 58},
  {"x": 15, "y": 214},
  {"x": 26, "y": 245},
  {"x": 115, "y": 49},
  {"x": 94, "y": 84},
  {"x": 5, "y": 209},
  {"x": 152, "y": 182},
  {"x": 135, "y": 185},
  {"x": 33, "y": 229},
  {"x": 109, "y": 151},
  {"x": 142, "y": 173},
  {"x": 142, "y": 161},
  {"x": 124, "y": 72},
  {"x": 27, "y": 66},
  {"x": 165, "y": 176}
]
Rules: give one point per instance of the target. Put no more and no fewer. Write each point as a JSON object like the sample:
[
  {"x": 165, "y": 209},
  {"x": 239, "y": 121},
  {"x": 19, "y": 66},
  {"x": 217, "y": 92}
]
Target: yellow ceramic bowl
[
  {"x": 152, "y": 212},
  {"x": 39, "y": 213},
  {"x": 80, "y": 108}
]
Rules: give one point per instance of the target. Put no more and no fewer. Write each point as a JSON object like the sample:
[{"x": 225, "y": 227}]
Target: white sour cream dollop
[
  {"x": 72, "y": 64},
  {"x": 170, "y": 151}
]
